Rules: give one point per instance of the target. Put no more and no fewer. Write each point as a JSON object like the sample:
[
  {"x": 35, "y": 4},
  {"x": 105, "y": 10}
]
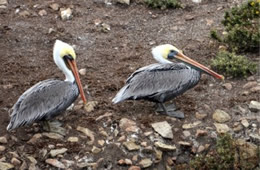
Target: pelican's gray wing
[
  {"x": 158, "y": 82},
  {"x": 42, "y": 101}
]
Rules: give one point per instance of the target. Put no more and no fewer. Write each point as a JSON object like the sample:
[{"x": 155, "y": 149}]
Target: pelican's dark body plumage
[{"x": 49, "y": 98}]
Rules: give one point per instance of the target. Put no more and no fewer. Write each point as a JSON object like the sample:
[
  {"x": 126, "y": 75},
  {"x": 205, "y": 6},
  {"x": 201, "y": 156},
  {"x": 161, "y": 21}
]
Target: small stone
[
  {"x": 122, "y": 138},
  {"x": 55, "y": 163},
  {"x": 250, "y": 85},
  {"x": 170, "y": 161},
  {"x": 222, "y": 47},
  {"x": 32, "y": 160},
  {"x": 73, "y": 139},
  {"x": 83, "y": 71},
  {"x": 35, "y": 138},
  {"x": 145, "y": 163},
  {"x": 227, "y": 86},
  {"x": 105, "y": 27},
  {"x": 248, "y": 150},
  {"x": 6, "y": 166},
  {"x": 255, "y": 89},
  {"x": 90, "y": 106},
  {"x": 183, "y": 143},
  {"x": 15, "y": 161},
  {"x": 131, "y": 146},
  {"x": 55, "y": 6},
  {"x": 158, "y": 155},
  {"x": 148, "y": 133},
  {"x": 24, "y": 13},
  {"x": 66, "y": 14},
  {"x": 42, "y": 12},
  {"x": 200, "y": 116},
  {"x": 53, "y": 135},
  {"x": 196, "y": 1},
  {"x": 2, "y": 148},
  {"x": 165, "y": 147},
  {"x": 164, "y": 129},
  {"x": 103, "y": 133},
  {"x": 191, "y": 125},
  {"x": 14, "y": 154},
  {"x": 3, "y": 2},
  {"x": 250, "y": 78},
  {"x": 128, "y": 125},
  {"x": 56, "y": 152},
  {"x": 128, "y": 162},
  {"x": 200, "y": 132},
  {"x": 201, "y": 149},
  {"x": 254, "y": 106},
  {"x": 255, "y": 137},
  {"x": 186, "y": 133},
  {"x": 245, "y": 123},
  {"x": 134, "y": 168},
  {"x": 127, "y": 2},
  {"x": 237, "y": 127},
  {"x": 3, "y": 140},
  {"x": 88, "y": 133},
  {"x": 221, "y": 116},
  {"x": 95, "y": 150},
  {"x": 245, "y": 93},
  {"x": 221, "y": 128},
  {"x": 135, "y": 158},
  {"x": 107, "y": 114},
  {"x": 101, "y": 142}
]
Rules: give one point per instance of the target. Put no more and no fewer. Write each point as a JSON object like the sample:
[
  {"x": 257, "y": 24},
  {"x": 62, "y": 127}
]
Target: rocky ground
[{"x": 112, "y": 40}]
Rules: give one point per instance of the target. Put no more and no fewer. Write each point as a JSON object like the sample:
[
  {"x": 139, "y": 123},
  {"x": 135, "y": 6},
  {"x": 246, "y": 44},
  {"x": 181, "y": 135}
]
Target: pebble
[
  {"x": 249, "y": 150},
  {"x": 221, "y": 116},
  {"x": 255, "y": 137},
  {"x": 24, "y": 13},
  {"x": 227, "y": 86},
  {"x": 255, "y": 89},
  {"x": 3, "y": 140},
  {"x": 237, "y": 127},
  {"x": 101, "y": 142},
  {"x": 53, "y": 135},
  {"x": 148, "y": 133},
  {"x": 134, "y": 168},
  {"x": 66, "y": 14},
  {"x": 6, "y": 166},
  {"x": 56, "y": 152},
  {"x": 107, "y": 114},
  {"x": 165, "y": 147},
  {"x": 251, "y": 78},
  {"x": 221, "y": 128},
  {"x": 245, "y": 123},
  {"x": 88, "y": 133},
  {"x": 122, "y": 138},
  {"x": 183, "y": 143},
  {"x": 2, "y": 148},
  {"x": 164, "y": 129},
  {"x": 73, "y": 139},
  {"x": 83, "y": 71},
  {"x": 254, "y": 106},
  {"x": 15, "y": 161},
  {"x": 186, "y": 133},
  {"x": 55, "y": 6},
  {"x": 128, "y": 125},
  {"x": 250, "y": 85},
  {"x": 32, "y": 160},
  {"x": 124, "y": 162},
  {"x": 135, "y": 158},
  {"x": 200, "y": 116},
  {"x": 42, "y": 12},
  {"x": 191, "y": 125},
  {"x": 90, "y": 106},
  {"x": 35, "y": 138},
  {"x": 3, "y": 2},
  {"x": 201, "y": 149},
  {"x": 127, "y": 2},
  {"x": 55, "y": 163},
  {"x": 158, "y": 155},
  {"x": 145, "y": 163},
  {"x": 95, "y": 150},
  {"x": 131, "y": 146},
  {"x": 200, "y": 132}
]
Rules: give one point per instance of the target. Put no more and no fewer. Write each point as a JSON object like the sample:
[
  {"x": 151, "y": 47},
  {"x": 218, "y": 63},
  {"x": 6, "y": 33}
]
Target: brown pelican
[
  {"x": 165, "y": 80},
  {"x": 49, "y": 98}
]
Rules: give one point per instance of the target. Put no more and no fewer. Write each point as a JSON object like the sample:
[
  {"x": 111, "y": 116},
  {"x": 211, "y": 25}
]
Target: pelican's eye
[{"x": 172, "y": 54}]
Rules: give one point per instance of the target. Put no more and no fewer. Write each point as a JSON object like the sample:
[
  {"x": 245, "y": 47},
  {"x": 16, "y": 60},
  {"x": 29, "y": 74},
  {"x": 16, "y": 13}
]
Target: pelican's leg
[
  {"x": 46, "y": 125},
  {"x": 54, "y": 126},
  {"x": 171, "y": 111}
]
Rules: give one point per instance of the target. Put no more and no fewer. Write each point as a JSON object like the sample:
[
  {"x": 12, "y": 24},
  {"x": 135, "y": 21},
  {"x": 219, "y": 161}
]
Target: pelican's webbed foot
[
  {"x": 54, "y": 126},
  {"x": 170, "y": 110}
]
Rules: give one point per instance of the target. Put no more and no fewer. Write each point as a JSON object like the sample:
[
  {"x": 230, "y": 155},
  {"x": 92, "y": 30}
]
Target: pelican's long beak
[
  {"x": 187, "y": 60},
  {"x": 74, "y": 69}
]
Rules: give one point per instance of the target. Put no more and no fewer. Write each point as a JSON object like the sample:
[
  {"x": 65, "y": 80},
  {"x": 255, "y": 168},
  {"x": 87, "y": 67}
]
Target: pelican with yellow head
[{"x": 49, "y": 98}]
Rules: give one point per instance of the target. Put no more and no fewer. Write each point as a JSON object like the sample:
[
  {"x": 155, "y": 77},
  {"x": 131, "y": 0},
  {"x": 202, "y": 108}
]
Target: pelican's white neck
[
  {"x": 58, "y": 46},
  {"x": 158, "y": 56}
]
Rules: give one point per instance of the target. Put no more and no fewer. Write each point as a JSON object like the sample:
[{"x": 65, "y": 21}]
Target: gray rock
[
  {"x": 165, "y": 147},
  {"x": 3, "y": 140},
  {"x": 56, "y": 152},
  {"x": 250, "y": 85},
  {"x": 145, "y": 163},
  {"x": 164, "y": 129},
  {"x": 131, "y": 146},
  {"x": 222, "y": 128},
  {"x": 6, "y": 166},
  {"x": 3, "y": 2},
  {"x": 254, "y": 106},
  {"x": 221, "y": 116},
  {"x": 55, "y": 163}
]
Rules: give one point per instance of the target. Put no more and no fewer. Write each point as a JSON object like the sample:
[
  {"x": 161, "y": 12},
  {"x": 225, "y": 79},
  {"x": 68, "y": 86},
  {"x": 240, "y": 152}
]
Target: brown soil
[{"x": 109, "y": 57}]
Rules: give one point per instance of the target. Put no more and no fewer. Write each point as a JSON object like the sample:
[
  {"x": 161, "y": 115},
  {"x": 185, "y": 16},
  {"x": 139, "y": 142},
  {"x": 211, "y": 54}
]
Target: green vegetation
[
  {"x": 233, "y": 65},
  {"x": 227, "y": 155},
  {"x": 163, "y": 4},
  {"x": 242, "y": 27}
]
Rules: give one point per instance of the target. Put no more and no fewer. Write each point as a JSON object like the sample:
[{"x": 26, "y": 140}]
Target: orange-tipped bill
[
  {"x": 74, "y": 69},
  {"x": 187, "y": 60}
]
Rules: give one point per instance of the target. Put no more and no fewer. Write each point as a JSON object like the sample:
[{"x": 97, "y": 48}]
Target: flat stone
[
  {"x": 227, "y": 86},
  {"x": 124, "y": 162},
  {"x": 56, "y": 152},
  {"x": 2, "y": 148},
  {"x": 200, "y": 116},
  {"x": 255, "y": 89},
  {"x": 201, "y": 149},
  {"x": 237, "y": 127},
  {"x": 127, "y": 2},
  {"x": 221, "y": 116},
  {"x": 148, "y": 133},
  {"x": 90, "y": 106},
  {"x": 101, "y": 142},
  {"x": 122, "y": 138},
  {"x": 200, "y": 132},
  {"x": 164, "y": 129},
  {"x": 250, "y": 85},
  {"x": 128, "y": 125},
  {"x": 15, "y": 161},
  {"x": 6, "y": 166},
  {"x": 55, "y": 163},
  {"x": 186, "y": 133},
  {"x": 73, "y": 139},
  {"x": 145, "y": 163},
  {"x": 88, "y": 133},
  {"x": 3, "y": 2},
  {"x": 83, "y": 71},
  {"x": 55, "y": 6},
  {"x": 134, "y": 168},
  {"x": 183, "y": 143},
  {"x": 24, "y": 13},
  {"x": 255, "y": 137},
  {"x": 131, "y": 146},
  {"x": 254, "y": 106},
  {"x": 165, "y": 147},
  {"x": 42, "y": 12},
  {"x": 53, "y": 135},
  {"x": 3, "y": 140},
  {"x": 221, "y": 128},
  {"x": 96, "y": 150},
  {"x": 32, "y": 160},
  {"x": 66, "y": 14},
  {"x": 35, "y": 138},
  {"x": 245, "y": 123},
  {"x": 191, "y": 125}
]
